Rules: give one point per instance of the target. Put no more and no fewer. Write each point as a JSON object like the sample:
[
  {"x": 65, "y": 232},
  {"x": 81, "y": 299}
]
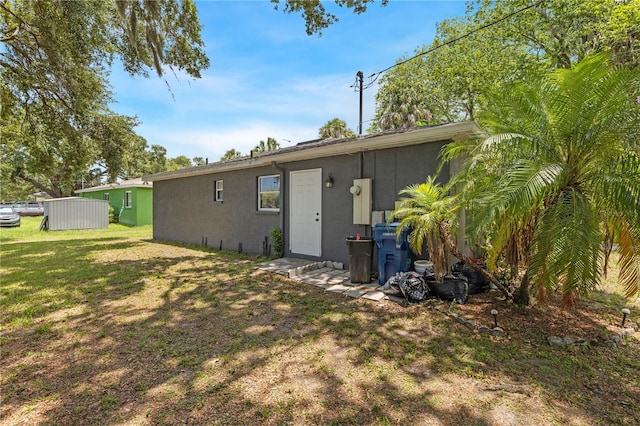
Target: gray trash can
[{"x": 360, "y": 259}]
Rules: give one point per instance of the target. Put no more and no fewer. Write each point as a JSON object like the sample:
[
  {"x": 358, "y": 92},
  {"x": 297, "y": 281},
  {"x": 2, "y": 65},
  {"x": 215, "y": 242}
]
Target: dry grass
[{"x": 113, "y": 328}]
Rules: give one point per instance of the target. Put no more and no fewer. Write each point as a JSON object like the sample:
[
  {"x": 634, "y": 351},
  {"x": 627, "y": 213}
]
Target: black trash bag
[
  {"x": 414, "y": 287},
  {"x": 391, "y": 286},
  {"x": 410, "y": 284},
  {"x": 478, "y": 283},
  {"x": 451, "y": 288}
]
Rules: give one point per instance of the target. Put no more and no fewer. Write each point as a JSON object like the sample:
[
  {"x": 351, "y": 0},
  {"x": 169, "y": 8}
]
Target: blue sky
[{"x": 268, "y": 78}]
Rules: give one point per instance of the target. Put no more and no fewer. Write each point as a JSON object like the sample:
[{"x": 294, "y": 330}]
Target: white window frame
[
  {"x": 105, "y": 196},
  {"x": 260, "y": 193},
  {"x": 218, "y": 191},
  {"x": 128, "y": 202}
]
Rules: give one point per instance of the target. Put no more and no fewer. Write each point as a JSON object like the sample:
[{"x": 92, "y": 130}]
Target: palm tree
[
  {"x": 560, "y": 161},
  {"x": 231, "y": 154},
  {"x": 403, "y": 110},
  {"x": 270, "y": 145},
  {"x": 432, "y": 214},
  {"x": 335, "y": 128}
]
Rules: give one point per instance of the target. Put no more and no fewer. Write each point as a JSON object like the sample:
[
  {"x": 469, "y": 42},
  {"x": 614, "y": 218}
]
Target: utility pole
[{"x": 360, "y": 77}]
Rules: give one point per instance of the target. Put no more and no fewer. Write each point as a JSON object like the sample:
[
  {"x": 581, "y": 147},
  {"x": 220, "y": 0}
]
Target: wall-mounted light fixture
[{"x": 329, "y": 182}]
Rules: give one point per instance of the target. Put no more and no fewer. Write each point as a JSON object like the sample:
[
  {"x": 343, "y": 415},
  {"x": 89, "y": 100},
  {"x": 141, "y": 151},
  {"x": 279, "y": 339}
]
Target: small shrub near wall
[
  {"x": 278, "y": 244},
  {"x": 113, "y": 216}
]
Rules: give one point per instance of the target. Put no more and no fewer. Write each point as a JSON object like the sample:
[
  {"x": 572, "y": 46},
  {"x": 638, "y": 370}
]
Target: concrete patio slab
[
  {"x": 355, "y": 292},
  {"x": 338, "y": 288},
  {"x": 321, "y": 275},
  {"x": 376, "y": 296}
]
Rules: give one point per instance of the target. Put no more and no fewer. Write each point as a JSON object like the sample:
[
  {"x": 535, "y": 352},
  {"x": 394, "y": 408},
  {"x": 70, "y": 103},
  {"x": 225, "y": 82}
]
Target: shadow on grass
[
  {"x": 176, "y": 334},
  {"x": 42, "y": 277}
]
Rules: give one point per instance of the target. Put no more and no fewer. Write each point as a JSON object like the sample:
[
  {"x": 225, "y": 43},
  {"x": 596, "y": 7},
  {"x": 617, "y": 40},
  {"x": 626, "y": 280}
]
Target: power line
[{"x": 374, "y": 77}]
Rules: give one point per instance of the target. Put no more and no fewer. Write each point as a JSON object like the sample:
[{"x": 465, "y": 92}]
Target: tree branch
[
  {"x": 12, "y": 36},
  {"x": 38, "y": 185}
]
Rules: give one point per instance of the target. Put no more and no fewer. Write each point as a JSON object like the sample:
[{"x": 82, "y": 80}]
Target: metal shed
[{"x": 75, "y": 213}]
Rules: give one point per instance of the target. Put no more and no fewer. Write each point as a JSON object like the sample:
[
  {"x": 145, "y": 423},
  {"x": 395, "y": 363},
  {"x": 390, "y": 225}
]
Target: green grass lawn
[
  {"x": 41, "y": 270},
  {"x": 111, "y": 327}
]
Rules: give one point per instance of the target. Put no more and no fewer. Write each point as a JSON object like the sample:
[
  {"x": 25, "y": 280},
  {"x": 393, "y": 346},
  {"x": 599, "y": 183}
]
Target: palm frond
[
  {"x": 567, "y": 244},
  {"x": 618, "y": 185},
  {"x": 630, "y": 259}
]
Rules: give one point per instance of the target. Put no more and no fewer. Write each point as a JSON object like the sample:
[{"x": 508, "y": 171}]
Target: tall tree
[
  {"x": 156, "y": 160},
  {"x": 231, "y": 154},
  {"x": 447, "y": 84},
  {"x": 316, "y": 16},
  {"x": 179, "y": 162},
  {"x": 335, "y": 128},
  {"x": 451, "y": 79},
  {"x": 57, "y": 158},
  {"x": 561, "y": 161},
  {"x": 54, "y": 81},
  {"x": 159, "y": 34},
  {"x": 144, "y": 35},
  {"x": 270, "y": 145},
  {"x": 563, "y": 32}
]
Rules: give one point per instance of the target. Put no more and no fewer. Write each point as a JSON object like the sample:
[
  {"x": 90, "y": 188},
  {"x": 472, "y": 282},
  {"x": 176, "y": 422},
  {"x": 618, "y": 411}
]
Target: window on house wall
[
  {"x": 218, "y": 193},
  {"x": 127, "y": 199},
  {"x": 105, "y": 197},
  {"x": 269, "y": 193}
]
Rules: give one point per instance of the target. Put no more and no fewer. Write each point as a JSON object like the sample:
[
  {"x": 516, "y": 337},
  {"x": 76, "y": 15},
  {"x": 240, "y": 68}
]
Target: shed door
[{"x": 305, "y": 212}]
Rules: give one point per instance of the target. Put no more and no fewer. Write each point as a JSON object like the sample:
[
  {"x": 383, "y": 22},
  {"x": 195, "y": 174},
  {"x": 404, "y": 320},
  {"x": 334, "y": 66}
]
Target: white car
[{"x": 8, "y": 216}]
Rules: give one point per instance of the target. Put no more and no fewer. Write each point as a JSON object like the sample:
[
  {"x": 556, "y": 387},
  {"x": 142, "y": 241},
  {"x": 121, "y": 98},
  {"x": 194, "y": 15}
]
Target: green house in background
[{"x": 132, "y": 200}]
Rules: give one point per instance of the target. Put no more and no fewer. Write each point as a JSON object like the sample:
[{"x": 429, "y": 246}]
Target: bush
[
  {"x": 278, "y": 243},
  {"x": 113, "y": 216}
]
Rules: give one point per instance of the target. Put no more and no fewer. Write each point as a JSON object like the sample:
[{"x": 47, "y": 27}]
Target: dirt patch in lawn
[{"x": 151, "y": 333}]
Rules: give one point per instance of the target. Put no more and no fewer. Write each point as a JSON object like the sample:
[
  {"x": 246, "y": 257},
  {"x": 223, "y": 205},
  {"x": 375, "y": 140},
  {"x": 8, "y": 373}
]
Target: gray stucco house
[{"x": 318, "y": 192}]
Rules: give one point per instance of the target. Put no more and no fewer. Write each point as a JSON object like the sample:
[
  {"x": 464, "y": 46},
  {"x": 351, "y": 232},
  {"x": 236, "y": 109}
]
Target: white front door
[{"x": 305, "y": 221}]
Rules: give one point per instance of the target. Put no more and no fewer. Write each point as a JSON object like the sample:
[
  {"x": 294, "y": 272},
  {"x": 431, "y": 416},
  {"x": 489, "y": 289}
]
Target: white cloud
[
  {"x": 206, "y": 120},
  {"x": 213, "y": 142}
]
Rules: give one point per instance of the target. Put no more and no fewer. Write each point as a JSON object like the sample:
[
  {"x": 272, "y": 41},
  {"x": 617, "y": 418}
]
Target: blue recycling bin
[{"x": 394, "y": 254}]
